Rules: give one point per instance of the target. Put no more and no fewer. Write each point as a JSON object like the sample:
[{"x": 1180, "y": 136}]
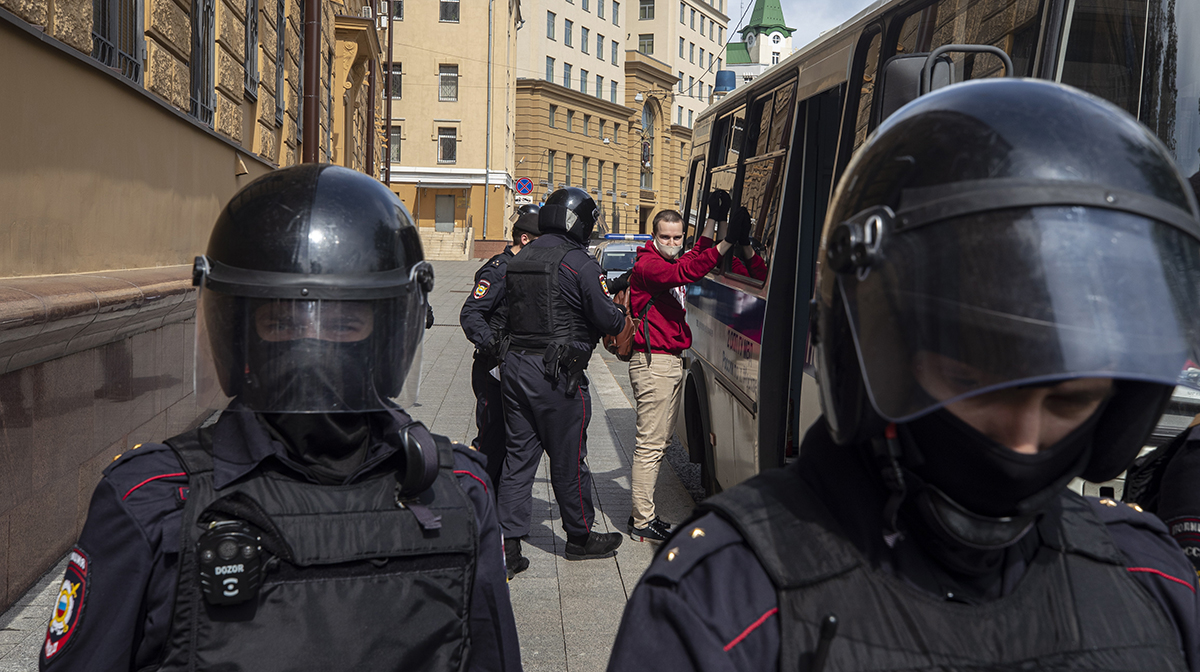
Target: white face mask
[{"x": 669, "y": 251}]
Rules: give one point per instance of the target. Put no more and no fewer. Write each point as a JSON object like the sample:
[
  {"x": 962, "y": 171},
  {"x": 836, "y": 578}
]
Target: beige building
[
  {"x": 660, "y": 148},
  {"x": 687, "y": 36},
  {"x": 128, "y": 124},
  {"x": 453, "y": 120}
]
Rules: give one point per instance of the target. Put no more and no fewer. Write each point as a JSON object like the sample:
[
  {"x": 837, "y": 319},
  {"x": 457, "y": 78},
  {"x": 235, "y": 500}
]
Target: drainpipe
[
  {"x": 371, "y": 122},
  {"x": 487, "y": 161},
  {"x": 310, "y": 107},
  {"x": 387, "y": 163}
]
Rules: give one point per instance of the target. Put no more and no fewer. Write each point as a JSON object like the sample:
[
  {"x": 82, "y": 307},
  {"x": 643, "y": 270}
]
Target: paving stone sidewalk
[{"x": 567, "y": 612}]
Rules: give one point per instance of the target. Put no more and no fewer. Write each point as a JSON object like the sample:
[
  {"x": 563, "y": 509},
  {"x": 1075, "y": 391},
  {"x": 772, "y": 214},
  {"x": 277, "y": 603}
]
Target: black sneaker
[
  {"x": 656, "y": 531},
  {"x": 514, "y": 562},
  {"x": 597, "y": 545}
]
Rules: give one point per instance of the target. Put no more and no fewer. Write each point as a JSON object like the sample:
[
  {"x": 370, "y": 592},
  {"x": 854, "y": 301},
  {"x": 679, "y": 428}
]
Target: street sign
[
  {"x": 523, "y": 200},
  {"x": 524, "y": 186}
]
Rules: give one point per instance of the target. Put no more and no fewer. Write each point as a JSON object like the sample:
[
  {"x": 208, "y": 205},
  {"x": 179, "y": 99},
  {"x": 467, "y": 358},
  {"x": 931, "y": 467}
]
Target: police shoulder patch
[
  {"x": 481, "y": 289},
  {"x": 68, "y": 609},
  {"x": 603, "y": 283}
]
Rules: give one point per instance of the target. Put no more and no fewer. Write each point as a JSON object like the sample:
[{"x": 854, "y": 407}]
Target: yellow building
[
  {"x": 453, "y": 121},
  {"x": 687, "y": 36},
  {"x": 127, "y": 126}
]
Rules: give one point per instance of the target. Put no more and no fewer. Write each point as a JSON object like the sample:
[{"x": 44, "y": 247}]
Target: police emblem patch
[
  {"x": 69, "y": 606},
  {"x": 482, "y": 288},
  {"x": 603, "y": 283}
]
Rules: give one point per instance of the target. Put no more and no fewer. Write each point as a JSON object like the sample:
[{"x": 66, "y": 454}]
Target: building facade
[
  {"x": 127, "y": 127},
  {"x": 766, "y": 40},
  {"x": 453, "y": 120},
  {"x": 686, "y": 35}
]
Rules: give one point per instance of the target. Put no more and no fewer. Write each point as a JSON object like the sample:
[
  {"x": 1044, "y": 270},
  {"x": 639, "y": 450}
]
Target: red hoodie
[{"x": 654, "y": 275}]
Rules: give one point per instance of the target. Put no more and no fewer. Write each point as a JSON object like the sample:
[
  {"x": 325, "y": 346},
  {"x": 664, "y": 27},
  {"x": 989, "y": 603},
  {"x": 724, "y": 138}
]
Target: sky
[{"x": 808, "y": 17}]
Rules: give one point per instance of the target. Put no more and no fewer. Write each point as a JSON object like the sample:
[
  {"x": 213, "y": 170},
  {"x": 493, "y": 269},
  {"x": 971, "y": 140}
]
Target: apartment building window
[
  {"x": 447, "y": 144},
  {"x": 550, "y": 167},
  {"x": 116, "y": 39},
  {"x": 720, "y": 34},
  {"x": 584, "y": 174},
  {"x": 710, "y": 28},
  {"x": 600, "y": 46},
  {"x": 616, "y": 12},
  {"x": 691, "y": 84},
  {"x": 394, "y": 137},
  {"x": 553, "y": 113},
  {"x": 681, "y": 43},
  {"x": 585, "y": 38},
  {"x": 718, "y": 64},
  {"x": 587, "y": 121},
  {"x": 204, "y": 93},
  {"x": 567, "y": 75},
  {"x": 613, "y": 45},
  {"x": 251, "y": 51},
  {"x": 679, "y": 115},
  {"x": 701, "y": 24},
  {"x": 599, "y": 86},
  {"x": 448, "y": 11},
  {"x": 646, "y": 43},
  {"x": 681, "y": 81},
  {"x": 690, "y": 118},
  {"x": 567, "y": 172},
  {"x": 600, "y": 176},
  {"x": 600, "y": 8},
  {"x": 702, "y": 57},
  {"x": 691, "y": 52},
  {"x": 550, "y": 25},
  {"x": 692, "y": 21},
  {"x": 710, "y": 59},
  {"x": 570, "y": 121},
  {"x": 280, "y": 30},
  {"x": 616, "y": 167},
  {"x": 448, "y": 82},
  {"x": 398, "y": 10},
  {"x": 583, "y": 77},
  {"x": 612, "y": 92},
  {"x": 645, "y": 10},
  {"x": 617, "y": 133},
  {"x": 585, "y": 6},
  {"x": 682, "y": 145},
  {"x": 601, "y": 136},
  {"x": 682, "y": 13},
  {"x": 396, "y": 80},
  {"x": 549, "y": 69},
  {"x": 568, "y": 28}
]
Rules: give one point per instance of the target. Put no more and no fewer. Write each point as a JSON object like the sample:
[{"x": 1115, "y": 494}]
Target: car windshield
[{"x": 618, "y": 260}]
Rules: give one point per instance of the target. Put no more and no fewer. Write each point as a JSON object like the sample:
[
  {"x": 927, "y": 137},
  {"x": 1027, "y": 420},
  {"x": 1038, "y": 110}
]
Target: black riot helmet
[
  {"x": 1008, "y": 233},
  {"x": 525, "y": 220},
  {"x": 312, "y": 294},
  {"x": 571, "y": 211}
]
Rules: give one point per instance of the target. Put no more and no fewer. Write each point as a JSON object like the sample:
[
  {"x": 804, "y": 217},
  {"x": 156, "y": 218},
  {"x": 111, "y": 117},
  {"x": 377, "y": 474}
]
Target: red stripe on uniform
[
  {"x": 579, "y": 462},
  {"x": 1150, "y": 570},
  {"x": 464, "y": 471},
  {"x": 152, "y": 478},
  {"x": 761, "y": 619}
]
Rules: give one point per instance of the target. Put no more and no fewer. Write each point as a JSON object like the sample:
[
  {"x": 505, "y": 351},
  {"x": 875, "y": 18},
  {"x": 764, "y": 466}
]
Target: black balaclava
[
  {"x": 336, "y": 375},
  {"x": 331, "y": 446}
]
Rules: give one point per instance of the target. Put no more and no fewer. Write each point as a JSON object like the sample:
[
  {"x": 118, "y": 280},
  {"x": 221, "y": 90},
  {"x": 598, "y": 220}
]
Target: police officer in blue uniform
[
  {"x": 1006, "y": 300},
  {"x": 557, "y": 309},
  {"x": 314, "y": 525},
  {"x": 483, "y": 319}
]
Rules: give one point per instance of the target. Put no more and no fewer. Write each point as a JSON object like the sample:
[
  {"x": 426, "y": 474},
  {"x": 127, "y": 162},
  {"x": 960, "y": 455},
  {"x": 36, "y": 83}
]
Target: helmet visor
[
  {"x": 1018, "y": 297},
  {"x": 307, "y": 356}
]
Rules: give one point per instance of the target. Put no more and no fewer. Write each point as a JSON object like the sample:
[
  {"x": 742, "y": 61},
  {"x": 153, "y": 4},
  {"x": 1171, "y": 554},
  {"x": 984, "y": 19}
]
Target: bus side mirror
[{"x": 907, "y": 77}]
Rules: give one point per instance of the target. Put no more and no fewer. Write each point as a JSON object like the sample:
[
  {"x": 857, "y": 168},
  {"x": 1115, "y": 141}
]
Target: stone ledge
[{"x": 47, "y": 317}]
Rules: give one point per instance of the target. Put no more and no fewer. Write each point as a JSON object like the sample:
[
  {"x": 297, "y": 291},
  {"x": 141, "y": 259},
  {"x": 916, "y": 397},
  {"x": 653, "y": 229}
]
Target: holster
[{"x": 574, "y": 361}]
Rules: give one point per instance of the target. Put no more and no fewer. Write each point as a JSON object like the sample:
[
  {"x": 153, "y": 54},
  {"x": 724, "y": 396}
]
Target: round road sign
[{"x": 524, "y": 186}]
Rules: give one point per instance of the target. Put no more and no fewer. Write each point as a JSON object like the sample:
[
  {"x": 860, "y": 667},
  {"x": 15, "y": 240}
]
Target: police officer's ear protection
[{"x": 230, "y": 552}]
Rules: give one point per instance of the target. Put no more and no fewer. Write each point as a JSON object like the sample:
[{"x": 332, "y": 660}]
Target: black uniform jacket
[
  {"x": 706, "y": 603},
  {"x": 486, "y": 298},
  {"x": 129, "y": 551}
]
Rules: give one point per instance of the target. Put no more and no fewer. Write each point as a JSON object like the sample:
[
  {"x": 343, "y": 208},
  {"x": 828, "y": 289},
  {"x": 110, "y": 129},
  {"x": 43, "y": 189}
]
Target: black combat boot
[
  {"x": 594, "y": 546},
  {"x": 513, "y": 560}
]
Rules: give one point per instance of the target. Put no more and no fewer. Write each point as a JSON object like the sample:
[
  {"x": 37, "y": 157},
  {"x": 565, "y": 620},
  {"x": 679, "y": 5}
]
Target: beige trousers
[{"x": 657, "y": 382}]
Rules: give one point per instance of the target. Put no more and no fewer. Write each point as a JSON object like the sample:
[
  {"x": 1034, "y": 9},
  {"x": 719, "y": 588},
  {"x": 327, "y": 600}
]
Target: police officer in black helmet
[
  {"x": 1006, "y": 299},
  {"x": 483, "y": 319},
  {"x": 315, "y": 525},
  {"x": 557, "y": 309}
]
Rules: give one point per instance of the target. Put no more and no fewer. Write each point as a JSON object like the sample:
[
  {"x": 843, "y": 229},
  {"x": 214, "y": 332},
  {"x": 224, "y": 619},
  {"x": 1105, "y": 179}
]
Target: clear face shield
[
  {"x": 278, "y": 355},
  {"x": 1023, "y": 297}
]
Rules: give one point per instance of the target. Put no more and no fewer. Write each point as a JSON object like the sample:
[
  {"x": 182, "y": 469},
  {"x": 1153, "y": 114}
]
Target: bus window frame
[
  {"x": 854, "y": 93},
  {"x": 700, "y": 160}
]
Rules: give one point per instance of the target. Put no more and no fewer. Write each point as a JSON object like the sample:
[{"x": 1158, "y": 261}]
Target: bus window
[
  {"x": 728, "y": 137},
  {"x": 761, "y": 188},
  {"x": 781, "y": 125},
  {"x": 867, "y": 94},
  {"x": 1104, "y": 48},
  {"x": 1171, "y": 91},
  {"x": 1012, "y": 25},
  {"x": 761, "y": 129},
  {"x": 695, "y": 201}
]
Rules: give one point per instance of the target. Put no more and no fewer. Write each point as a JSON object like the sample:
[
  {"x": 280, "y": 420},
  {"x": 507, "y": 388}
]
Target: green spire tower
[{"x": 766, "y": 18}]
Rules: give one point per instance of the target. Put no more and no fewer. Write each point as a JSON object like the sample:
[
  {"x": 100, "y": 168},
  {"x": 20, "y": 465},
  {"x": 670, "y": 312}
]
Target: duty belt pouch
[{"x": 550, "y": 361}]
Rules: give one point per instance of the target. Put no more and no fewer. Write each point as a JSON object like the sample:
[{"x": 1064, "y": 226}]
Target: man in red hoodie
[{"x": 656, "y": 370}]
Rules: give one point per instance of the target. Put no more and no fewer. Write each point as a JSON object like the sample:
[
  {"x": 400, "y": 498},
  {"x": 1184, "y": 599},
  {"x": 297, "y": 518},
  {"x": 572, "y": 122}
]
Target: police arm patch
[
  {"x": 481, "y": 289},
  {"x": 68, "y": 608},
  {"x": 604, "y": 283}
]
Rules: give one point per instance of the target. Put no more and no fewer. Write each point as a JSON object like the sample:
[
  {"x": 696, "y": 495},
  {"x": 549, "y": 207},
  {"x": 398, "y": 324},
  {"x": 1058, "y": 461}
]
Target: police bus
[{"x": 779, "y": 144}]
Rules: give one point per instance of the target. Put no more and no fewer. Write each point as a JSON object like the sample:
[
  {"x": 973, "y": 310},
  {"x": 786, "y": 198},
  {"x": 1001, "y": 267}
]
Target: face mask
[{"x": 669, "y": 251}]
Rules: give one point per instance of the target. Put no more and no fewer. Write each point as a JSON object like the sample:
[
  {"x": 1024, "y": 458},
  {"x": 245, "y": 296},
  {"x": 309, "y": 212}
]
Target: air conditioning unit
[
  {"x": 595, "y": 190},
  {"x": 543, "y": 183},
  {"x": 608, "y": 193},
  {"x": 623, "y": 194}
]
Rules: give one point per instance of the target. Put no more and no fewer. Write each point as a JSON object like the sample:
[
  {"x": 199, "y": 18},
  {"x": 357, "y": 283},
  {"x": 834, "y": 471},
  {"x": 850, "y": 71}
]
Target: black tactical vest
[
  {"x": 366, "y": 588},
  {"x": 538, "y": 315},
  {"x": 1076, "y": 608}
]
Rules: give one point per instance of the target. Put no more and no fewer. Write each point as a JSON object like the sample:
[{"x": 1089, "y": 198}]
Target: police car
[{"x": 617, "y": 252}]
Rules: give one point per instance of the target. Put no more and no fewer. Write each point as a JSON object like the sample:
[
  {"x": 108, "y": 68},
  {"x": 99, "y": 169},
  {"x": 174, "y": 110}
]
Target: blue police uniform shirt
[
  {"x": 707, "y": 604},
  {"x": 487, "y": 297},
  {"x": 115, "y": 604}
]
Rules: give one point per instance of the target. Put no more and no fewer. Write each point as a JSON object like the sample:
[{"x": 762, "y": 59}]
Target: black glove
[
  {"x": 738, "y": 231},
  {"x": 428, "y": 316},
  {"x": 619, "y": 283},
  {"x": 492, "y": 348},
  {"x": 718, "y": 204}
]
